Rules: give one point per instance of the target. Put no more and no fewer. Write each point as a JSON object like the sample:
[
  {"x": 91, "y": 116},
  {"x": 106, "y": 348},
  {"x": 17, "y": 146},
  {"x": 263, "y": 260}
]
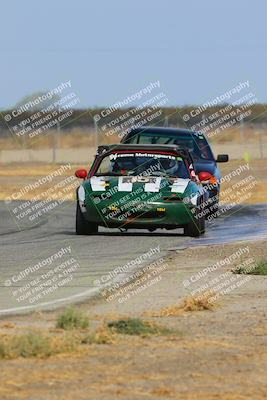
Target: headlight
[{"x": 81, "y": 193}]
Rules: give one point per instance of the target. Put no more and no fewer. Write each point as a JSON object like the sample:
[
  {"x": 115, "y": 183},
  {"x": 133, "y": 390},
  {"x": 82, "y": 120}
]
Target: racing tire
[
  {"x": 196, "y": 227},
  {"x": 192, "y": 229},
  {"x": 202, "y": 225},
  {"x": 84, "y": 227}
]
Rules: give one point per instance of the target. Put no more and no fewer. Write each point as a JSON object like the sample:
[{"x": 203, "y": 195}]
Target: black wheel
[
  {"x": 196, "y": 226},
  {"x": 202, "y": 225},
  {"x": 82, "y": 226},
  {"x": 192, "y": 229}
]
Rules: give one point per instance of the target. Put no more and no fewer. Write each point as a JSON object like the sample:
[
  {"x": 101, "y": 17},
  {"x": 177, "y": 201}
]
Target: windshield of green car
[
  {"x": 196, "y": 143},
  {"x": 144, "y": 164}
]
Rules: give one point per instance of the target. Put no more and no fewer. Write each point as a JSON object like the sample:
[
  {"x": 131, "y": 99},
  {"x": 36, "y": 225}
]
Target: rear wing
[{"x": 176, "y": 149}]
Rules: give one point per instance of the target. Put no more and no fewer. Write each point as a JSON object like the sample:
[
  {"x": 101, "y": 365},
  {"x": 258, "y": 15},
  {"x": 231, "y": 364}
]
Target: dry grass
[
  {"x": 44, "y": 344},
  {"x": 34, "y": 169},
  {"x": 34, "y": 344},
  {"x": 7, "y": 325},
  {"x": 199, "y": 303},
  {"x": 75, "y": 138},
  {"x": 82, "y": 137},
  {"x": 163, "y": 391},
  {"x": 17, "y": 176},
  {"x": 102, "y": 335},
  {"x": 191, "y": 303},
  {"x": 257, "y": 168},
  {"x": 235, "y": 135},
  {"x": 39, "y": 344}
]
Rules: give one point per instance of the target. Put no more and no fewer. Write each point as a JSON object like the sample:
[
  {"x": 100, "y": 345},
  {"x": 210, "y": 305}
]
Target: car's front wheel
[
  {"x": 196, "y": 227},
  {"x": 84, "y": 227}
]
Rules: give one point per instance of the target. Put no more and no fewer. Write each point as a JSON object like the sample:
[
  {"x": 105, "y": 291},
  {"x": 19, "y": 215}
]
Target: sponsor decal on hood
[
  {"x": 98, "y": 183},
  {"x": 179, "y": 185},
  {"x": 126, "y": 184}
]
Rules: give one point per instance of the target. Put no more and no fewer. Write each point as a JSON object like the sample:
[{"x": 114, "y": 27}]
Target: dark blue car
[{"x": 205, "y": 164}]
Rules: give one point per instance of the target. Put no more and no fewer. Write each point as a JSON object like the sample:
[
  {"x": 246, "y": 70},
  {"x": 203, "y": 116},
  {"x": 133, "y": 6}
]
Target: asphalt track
[{"x": 94, "y": 256}]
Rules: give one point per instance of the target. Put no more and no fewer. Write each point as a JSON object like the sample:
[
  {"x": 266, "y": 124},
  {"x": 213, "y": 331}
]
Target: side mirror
[
  {"x": 81, "y": 173},
  {"x": 222, "y": 158}
]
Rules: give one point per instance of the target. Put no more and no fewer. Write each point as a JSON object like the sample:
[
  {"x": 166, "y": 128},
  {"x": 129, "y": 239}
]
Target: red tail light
[
  {"x": 204, "y": 176},
  {"x": 207, "y": 177}
]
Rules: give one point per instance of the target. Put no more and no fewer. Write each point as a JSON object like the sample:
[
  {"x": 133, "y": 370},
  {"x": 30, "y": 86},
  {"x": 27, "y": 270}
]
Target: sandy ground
[{"x": 217, "y": 354}]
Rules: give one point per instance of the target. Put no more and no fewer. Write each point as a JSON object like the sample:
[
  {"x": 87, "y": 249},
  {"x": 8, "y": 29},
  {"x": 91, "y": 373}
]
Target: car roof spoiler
[{"x": 179, "y": 150}]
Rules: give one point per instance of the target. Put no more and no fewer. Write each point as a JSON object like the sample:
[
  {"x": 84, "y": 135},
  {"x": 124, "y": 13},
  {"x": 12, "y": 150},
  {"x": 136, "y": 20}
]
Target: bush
[
  {"x": 135, "y": 326},
  {"x": 30, "y": 345},
  {"x": 72, "y": 318},
  {"x": 259, "y": 269}
]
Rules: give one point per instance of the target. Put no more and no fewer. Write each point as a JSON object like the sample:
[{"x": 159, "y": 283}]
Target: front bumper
[{"x": 163, "y": 214}]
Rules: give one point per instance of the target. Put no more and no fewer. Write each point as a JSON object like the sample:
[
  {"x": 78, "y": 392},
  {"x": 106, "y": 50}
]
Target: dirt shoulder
[{"x": 214, "y": 354}]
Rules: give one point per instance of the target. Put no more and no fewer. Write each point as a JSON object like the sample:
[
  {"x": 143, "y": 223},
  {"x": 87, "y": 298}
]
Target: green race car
[{"x": 140, "y": 187}]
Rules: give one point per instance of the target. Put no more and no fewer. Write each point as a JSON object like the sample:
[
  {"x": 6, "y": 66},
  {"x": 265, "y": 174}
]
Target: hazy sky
[{"x": 109, "y": 49}]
